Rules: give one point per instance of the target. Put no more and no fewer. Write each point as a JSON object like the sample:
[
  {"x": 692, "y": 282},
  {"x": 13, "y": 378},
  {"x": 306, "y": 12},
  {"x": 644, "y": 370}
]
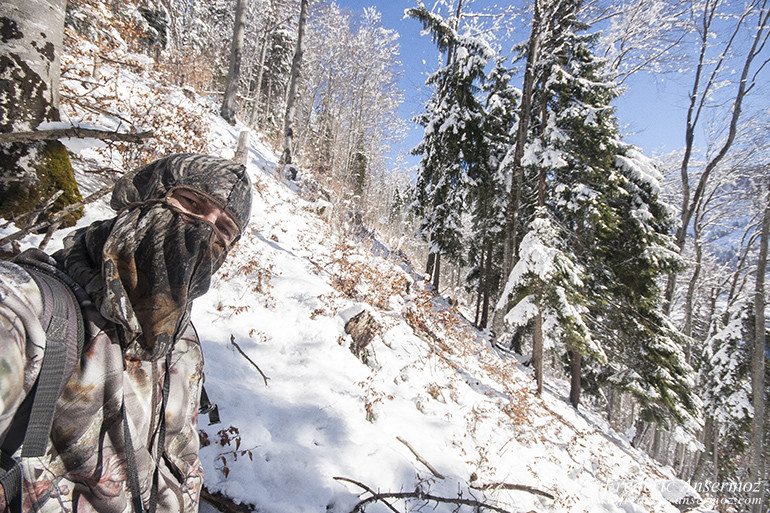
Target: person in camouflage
[{"x": 138, "y": 381}]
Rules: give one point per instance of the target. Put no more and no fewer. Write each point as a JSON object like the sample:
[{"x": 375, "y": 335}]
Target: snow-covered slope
[
  {"x": 431, "y": 393},
  {"x": 429, "y": 409}
]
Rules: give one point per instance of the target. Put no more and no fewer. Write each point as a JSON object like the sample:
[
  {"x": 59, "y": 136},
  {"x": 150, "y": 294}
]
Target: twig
[
  {"x": 389, "y": 505},
  {"x": 35, "y": 214},
  {"x": 74, "y": 132},
  {"x": 97, "y": 110},
  {"x": 512, "y": 486},
  {"x": 232, "y": 341},
  {"x": 48, "y": 235},
  {"x": 416, "y": 495},
  {"x": 135, "y": 65},
  {"x": 61, "y": 214},
  {"x": 420, "y": 458}
]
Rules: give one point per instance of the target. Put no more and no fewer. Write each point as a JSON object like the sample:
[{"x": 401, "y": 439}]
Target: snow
[{"x": 430, "y": 380}]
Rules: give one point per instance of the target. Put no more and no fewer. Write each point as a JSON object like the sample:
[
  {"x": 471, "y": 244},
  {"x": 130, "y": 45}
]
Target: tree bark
[
  {"x": 234, "y": 71},
  {"x": 756, "y": 468},
  {"x": 31, "y": 34},
  {"x": 701, "y": 459},
  {"x": 514, "y": 192},
  {"x": 487, "y": 286},
  {"x": 437, "y": 272},
  {"x": 525, "y": 114},
  {"x": 430, "y": 264},
  {"x": 242, "y": 150},
  {"x": 575, "y": 366},
  {"x": 291, "y": 100},
  {"x": 254, "y": 117},
  {"x": 537, "y": 351}
]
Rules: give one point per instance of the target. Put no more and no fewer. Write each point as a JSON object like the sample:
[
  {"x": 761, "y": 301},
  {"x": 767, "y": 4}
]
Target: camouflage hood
[{"x": 144, "y": 267}]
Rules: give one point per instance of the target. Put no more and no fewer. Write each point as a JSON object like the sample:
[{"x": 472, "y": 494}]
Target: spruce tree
[
  {"x": 452, "y": 137},
  {"x": 602, "y": 197},
  {"x": 487, "y": 195}
]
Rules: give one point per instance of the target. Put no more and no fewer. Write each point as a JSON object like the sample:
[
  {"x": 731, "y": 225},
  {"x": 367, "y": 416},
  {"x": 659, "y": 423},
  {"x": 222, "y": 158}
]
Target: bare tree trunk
[
  {"x": 537, "y": 337},
  {"x": 537, "y": 351},
  {"x": 242, "y": 150},
  {"x": 429, "y": 266},
  {"x": 575, "y": 364},
  {"x": 756, "y": 468},
  {"x": 480, "y": 290},
  {"x": 234, "y": 72},
  {"x": 291, "y": 100},
  {"x": 254, "y": 116},
  {"x": 640, "y": 438},
  {"x": 30, "y": 48},
  {"x": 437, "y": 271},
  {"x": 692, "y": 286},
  {"x": 487, "y": 286},
  {"x": 450, "y": 53},
  {"x": 514, "y": 192}
]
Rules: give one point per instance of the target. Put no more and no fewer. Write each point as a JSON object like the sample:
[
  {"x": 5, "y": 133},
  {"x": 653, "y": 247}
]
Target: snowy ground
[{"x": 431, "y": 385}]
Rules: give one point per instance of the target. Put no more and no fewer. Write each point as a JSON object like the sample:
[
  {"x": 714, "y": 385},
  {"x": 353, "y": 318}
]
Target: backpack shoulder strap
[
  {"x": 64, "y": 325},
  {"x": 65, "y": 334}
]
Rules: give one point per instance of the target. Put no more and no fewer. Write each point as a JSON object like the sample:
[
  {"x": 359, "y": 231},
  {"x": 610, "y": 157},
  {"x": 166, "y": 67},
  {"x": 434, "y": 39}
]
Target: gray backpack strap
[
  {"x": 65, "y": 334},
  {"x": 10, "y": 479},
  {"x": 59, "y": 359}
]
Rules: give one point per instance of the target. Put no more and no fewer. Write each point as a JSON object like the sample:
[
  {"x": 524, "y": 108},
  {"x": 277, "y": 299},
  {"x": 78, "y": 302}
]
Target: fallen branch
[
  {"x": 361, "y": 485},
  {"x": 135, "y": 65},
  {"x": 416, "y": 495},
  {"x": 74, "y": 132},
  {"x": 513, "y": 486},
  {"x": 421, "y": 459},
  {"x": 232, "y": 341}
]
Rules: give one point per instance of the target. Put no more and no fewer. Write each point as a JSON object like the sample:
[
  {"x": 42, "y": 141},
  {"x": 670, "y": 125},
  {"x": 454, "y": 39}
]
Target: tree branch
[
  {"x": 232, "y": 341},
  {"x": 361, "y": 485},
  {"x": 513, "y": 486},
  {"x": 420, "y": 458},
  {"x": 74, "y": 132},
  {"x": 416, "y": 495},
  {"x": 57, "y": 217}
]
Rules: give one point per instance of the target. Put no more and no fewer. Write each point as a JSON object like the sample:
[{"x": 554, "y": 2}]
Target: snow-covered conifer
[{"x": 450, "y": 147}]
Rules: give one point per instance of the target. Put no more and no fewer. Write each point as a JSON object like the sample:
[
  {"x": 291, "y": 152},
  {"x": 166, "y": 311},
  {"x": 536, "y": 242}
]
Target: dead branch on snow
[
  {"x": 380, "y": 496},
  {"x": 421, "y": 459},
  {"x": 232, "y": 341}
]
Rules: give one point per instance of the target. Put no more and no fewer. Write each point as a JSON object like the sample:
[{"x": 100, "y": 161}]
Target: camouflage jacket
[{"x": 85, "y": 467}]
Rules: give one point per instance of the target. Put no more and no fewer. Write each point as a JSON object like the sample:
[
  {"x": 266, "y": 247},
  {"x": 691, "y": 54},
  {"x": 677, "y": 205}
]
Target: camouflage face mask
[{"x": 154, "y": 258}]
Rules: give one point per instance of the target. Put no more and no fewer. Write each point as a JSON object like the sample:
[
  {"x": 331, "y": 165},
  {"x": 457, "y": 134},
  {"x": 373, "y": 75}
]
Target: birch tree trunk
[
  {"x": 31, "y": 34},
  {"x": 291, "y": 100},
  {"x": 756, "y": 468},
  {"x": 234, "y": 71}
]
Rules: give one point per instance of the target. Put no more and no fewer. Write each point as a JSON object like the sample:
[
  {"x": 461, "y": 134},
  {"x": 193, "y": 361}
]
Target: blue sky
[{"x": 651, "y": 111}]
